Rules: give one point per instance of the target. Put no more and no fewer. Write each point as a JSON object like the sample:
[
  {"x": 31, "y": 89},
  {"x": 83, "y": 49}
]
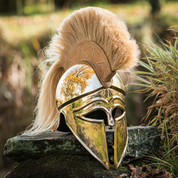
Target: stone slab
[{"x": 141, "y": 141}]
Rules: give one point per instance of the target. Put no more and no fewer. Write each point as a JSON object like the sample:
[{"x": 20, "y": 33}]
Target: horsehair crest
[{"x": 88, "y": 24}]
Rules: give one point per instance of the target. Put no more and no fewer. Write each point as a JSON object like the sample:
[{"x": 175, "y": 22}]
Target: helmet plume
[{"x": 93, "y": 24}]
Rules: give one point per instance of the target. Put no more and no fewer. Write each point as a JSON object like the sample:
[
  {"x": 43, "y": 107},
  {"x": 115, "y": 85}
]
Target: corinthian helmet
[{"x": 89, "y": 47}]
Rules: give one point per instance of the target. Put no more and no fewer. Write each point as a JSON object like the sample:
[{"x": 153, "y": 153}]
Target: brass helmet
[
  {"x": 88, "y": 108},
  {"x": 89, "y": 47}
]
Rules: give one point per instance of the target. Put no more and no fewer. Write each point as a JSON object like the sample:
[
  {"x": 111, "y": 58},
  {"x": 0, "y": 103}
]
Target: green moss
[
  {"x": 78, "y": 150},
  {"x": 67, "y": 145},
  {"x": 142, "y": 140},
  {"x": 48, "y": 149},
  {"x": 124, "y": 168},
  {"x": 45, "y": 142},
  {"x": 28, "y": 145}
]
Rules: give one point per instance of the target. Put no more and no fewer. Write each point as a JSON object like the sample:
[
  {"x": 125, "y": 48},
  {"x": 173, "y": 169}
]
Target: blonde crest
[{"x": 88, "y": 24}]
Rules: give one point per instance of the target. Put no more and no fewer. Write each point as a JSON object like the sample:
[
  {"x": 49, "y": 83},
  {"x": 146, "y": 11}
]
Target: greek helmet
[{"x": 89, "y": 47}]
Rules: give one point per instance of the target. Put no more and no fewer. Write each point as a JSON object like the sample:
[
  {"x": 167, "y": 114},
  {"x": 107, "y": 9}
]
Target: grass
[{"x": 160, "y": 80}]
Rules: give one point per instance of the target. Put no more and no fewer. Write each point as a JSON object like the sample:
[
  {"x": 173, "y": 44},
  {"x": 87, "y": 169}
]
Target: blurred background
[{"x": 26, "y": 27}]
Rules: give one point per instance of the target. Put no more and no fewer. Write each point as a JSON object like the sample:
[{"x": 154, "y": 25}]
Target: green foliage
[
  {"x": 160, "y": 80},
  {"x": 167, "y": 156}
]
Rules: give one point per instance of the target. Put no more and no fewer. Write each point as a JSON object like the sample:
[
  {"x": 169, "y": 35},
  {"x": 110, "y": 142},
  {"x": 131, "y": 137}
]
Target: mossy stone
[{"x": 57, "y": 154}]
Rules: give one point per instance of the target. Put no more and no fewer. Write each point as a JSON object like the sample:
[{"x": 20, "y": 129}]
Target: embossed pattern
[{"x": 91, "y": 53}]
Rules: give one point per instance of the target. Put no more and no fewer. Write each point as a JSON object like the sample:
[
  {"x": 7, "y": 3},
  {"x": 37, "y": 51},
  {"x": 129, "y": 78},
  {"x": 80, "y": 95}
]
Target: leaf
[
  {"x": 54, "y": 128},
  {"x": 176, "y": 70},
  {"x": 147, "y": 171},
  {"x": 143, "y": 64},
  {"x": 143, "y": 73},
  {"x": 123, "y": 175},
  {"x": 143, "y": 80},
  {"x": 140, "y": 84},
  {"x": 157, "y": 80}
]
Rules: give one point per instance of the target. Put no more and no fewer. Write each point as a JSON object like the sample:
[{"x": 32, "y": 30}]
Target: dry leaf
[
  {"x": 147, "y": 172},
  {"x": 123, "y": 176},
  {"x": 54, "y": 128}
]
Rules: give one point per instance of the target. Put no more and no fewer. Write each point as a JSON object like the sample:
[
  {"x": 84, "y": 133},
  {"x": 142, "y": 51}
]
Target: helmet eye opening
[
  {"x": 98, "y": 114},
  {"x": 117, "y": 112},
  {"x": 63, "y": 126}
]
